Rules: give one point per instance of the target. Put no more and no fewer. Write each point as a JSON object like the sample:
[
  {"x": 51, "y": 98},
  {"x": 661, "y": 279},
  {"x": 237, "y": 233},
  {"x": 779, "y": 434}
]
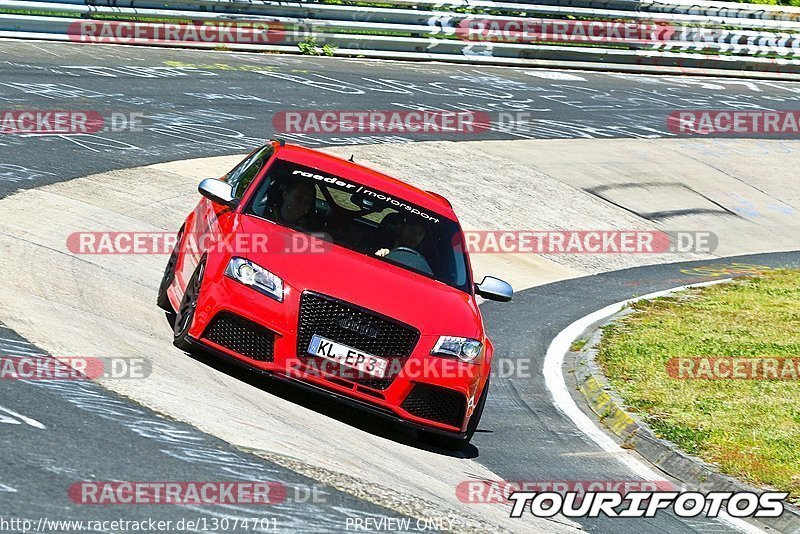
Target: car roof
[{"x": 367, "y": 177}]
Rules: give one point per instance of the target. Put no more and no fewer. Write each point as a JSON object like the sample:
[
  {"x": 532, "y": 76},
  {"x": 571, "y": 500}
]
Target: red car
[{"x": 328, "y": 274}]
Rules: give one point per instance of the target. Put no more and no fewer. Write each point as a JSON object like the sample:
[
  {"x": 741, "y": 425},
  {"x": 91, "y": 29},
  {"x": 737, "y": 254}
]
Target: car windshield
[{"x": 362, "y": 219}]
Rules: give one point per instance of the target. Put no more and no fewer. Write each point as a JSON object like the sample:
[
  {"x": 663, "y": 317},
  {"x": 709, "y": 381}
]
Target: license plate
[{"x": 348, "y": 356}]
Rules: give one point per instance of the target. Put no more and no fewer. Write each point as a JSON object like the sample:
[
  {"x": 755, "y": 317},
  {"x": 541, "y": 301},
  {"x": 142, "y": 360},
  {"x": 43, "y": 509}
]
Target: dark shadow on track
[{"x": 374, "y": 424}]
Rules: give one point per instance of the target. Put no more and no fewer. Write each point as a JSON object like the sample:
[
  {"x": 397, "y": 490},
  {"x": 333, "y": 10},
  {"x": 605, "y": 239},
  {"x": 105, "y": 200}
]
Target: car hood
[{"x": 432, "y": 307}]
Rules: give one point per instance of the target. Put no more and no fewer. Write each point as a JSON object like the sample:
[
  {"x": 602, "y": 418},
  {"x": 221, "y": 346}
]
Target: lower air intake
[
  {"x": 242, "y": 336},
  {"x": 436, "y": 404}
]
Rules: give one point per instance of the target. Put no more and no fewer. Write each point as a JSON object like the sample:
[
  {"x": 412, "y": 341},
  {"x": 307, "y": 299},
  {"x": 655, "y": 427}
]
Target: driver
[{"x": 296, "y": 206}]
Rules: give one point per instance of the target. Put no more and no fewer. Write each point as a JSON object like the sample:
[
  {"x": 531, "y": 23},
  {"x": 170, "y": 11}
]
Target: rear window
[{"x": 362, "y": 219}]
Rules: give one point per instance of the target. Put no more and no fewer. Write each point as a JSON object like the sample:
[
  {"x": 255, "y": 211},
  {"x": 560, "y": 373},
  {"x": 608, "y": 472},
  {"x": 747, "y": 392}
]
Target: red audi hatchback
[{"x": 334, "y": 276}]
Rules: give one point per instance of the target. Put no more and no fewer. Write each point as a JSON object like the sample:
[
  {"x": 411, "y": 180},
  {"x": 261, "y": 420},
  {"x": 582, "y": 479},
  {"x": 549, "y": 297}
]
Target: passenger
[
  {"x": 411, "y": 235},
  {"x": 402, "y": 233}
]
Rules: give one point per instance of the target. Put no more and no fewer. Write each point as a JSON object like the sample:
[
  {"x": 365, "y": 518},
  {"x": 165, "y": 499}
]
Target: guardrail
[{"x": 626, "y": 35}]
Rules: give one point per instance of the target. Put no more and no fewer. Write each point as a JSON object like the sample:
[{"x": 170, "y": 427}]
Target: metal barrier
[{"x": 634, "y": 36}]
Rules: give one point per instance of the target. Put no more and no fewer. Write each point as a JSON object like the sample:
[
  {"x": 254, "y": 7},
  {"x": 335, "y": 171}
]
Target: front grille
[
  {"x": 436, "y": 404},
  {"x": 241, "y": 336},
  {"x": 355, "y": 327}
]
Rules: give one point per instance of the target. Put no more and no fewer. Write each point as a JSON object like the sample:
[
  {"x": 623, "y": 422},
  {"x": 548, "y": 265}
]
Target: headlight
[
  {"x": 255, "y": 276},
  {"x": 465, "y": 349}
]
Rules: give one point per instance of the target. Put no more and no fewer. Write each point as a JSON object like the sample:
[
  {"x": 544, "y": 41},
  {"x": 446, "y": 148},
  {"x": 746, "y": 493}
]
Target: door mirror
[
  {"x": 217, "y": 191},
  {"x": 494, "y": 289}
]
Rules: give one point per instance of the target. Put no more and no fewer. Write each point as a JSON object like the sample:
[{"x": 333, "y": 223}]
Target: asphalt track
[
  {"x": 198, "y": 103},
  {"x": 92, "y": 434},
  {"x": 523, "y": 436},
  {"x": 60, "y": 432},
  {"x": 531, "y": 436}
]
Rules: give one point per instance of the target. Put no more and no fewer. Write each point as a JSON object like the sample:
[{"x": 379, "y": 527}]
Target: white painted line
[
  {"x": 555, "y": 75},
  {"x": 15, "y": 341},
  {"x": 32, "y": 422},
  {"x": 554, "y": 379},
  {"x": 44, "y": 50},
  {"x": 13, "y": 351}
]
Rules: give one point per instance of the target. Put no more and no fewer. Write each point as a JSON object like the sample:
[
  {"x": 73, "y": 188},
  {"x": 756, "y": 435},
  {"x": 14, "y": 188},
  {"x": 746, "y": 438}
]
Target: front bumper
[
  {"x": 438, "y": 379},
  {"x": 312, "y": 387}
]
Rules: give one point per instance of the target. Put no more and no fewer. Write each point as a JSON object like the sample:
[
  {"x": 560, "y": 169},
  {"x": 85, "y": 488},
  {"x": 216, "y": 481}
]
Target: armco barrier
[{"x": 722, "y": 39}]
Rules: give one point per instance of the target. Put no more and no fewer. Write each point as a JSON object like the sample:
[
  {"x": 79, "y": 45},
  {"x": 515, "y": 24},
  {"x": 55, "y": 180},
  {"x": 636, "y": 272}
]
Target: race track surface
[
  {"x": 200, "y": 103},
  {"x": 526, "y": 435},
  {"x": 207, "y": 104},
  {"x": 59, "y": 433}
]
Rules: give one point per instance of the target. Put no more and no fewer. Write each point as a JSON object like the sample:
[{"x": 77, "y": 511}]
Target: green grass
[
  {"x": 34, "y": 12},
  {"x": 578, "y": 345},
  {"x": 749, "y": 428},
  {"x": 773, "y": 2}
]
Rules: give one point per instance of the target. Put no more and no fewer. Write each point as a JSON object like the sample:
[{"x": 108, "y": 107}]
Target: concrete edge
[
  {"x": 635, "y": 434},
  {"x": 421, "y": 509}
]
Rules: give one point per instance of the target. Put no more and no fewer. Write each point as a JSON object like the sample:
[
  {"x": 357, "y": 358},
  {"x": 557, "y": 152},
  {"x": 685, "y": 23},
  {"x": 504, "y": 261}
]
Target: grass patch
[
  {"x": 35, "y": 12},
  {"x": 577, "y": 345},
  {"x": 749, "y": 428},
  {"x": 771, "y": 2}
]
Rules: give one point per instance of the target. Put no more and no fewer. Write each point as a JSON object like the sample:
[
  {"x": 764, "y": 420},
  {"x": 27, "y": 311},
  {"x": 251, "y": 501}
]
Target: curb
[{"x": 611, "y": 411}]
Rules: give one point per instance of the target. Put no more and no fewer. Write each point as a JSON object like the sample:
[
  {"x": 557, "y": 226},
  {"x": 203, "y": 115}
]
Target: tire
[
  {"x": 478, "y": 413},
  {"x": 185, "y": 314},
  {"x": 169, "y": 277},
  {"x": 458, "y": 444}
]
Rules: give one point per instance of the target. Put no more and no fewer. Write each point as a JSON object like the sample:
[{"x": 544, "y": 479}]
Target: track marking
[
  {"x": 5, "y": 340},
  {"x": 13, "y": 351},
  {"x": 564, "y": 403},
  {"x": 45, "y": 51},
  {"x": 32, "y": 422}
]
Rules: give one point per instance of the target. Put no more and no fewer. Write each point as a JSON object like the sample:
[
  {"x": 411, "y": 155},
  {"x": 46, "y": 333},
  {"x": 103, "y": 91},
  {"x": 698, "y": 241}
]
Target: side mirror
[
  {"x": 217, "y": 191},
  {"x": 494, "y": 289}
]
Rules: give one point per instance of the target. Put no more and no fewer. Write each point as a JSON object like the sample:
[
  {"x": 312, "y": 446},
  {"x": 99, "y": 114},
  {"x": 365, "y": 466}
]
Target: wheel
[
  {"x": 169, "y": 277},
  {"x": 185, "y": 313},
  {"x": 478, "y": 413},
  {"x": 457, "y": 444}
]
